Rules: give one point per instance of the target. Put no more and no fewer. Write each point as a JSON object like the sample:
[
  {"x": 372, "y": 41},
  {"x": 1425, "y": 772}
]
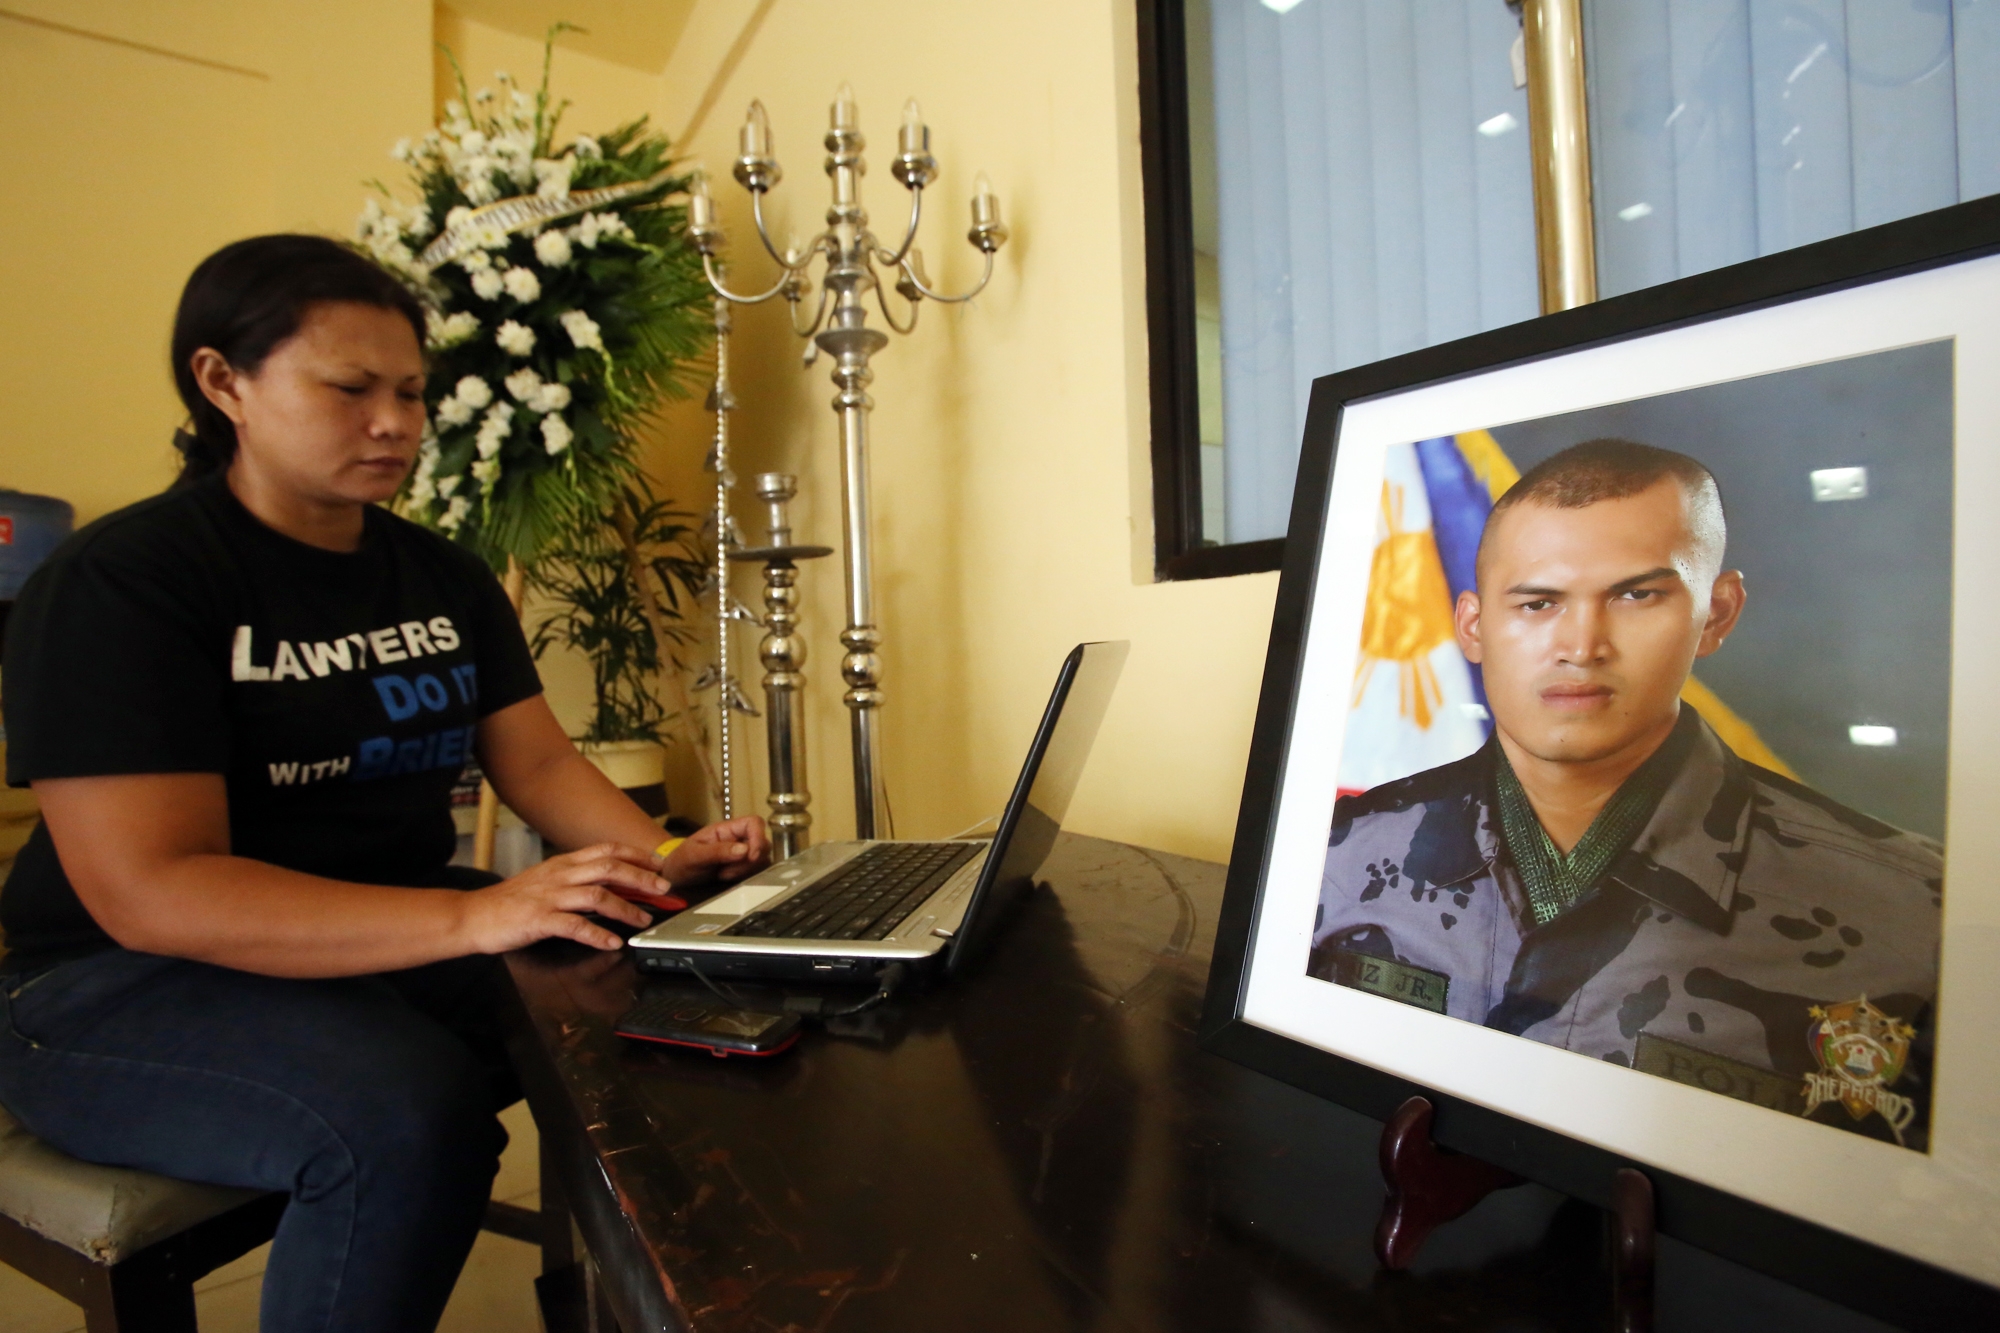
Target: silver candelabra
[{"x": 839, "y": 327}]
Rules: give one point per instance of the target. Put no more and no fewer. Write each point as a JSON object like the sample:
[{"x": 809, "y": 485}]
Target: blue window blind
[
  {"x": 1725, "y": 129},
  {"x": 1371, "y": 189},
  {"x": 1374, "y": 197}
]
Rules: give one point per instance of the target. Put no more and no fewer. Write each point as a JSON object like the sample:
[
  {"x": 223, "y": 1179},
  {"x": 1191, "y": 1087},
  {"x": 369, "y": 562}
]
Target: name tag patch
[
  {"x": 1718, "y": 1073},
  {"x": 1391, "y": 980}
]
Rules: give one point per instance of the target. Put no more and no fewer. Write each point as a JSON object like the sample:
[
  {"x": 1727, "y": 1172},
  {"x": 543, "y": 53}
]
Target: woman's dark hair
[{"x": 243, "y": 301}]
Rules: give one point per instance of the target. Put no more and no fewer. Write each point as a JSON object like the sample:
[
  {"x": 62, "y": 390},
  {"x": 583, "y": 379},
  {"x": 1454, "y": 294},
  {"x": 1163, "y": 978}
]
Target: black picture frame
[{"x": 1854, "y": 1273}]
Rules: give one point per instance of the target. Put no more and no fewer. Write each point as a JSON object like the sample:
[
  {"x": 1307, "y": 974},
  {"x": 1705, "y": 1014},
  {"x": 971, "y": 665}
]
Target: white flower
[
  {"x": 586, "y": 147},
  {"x": 516, "y": 153},
  {"x": 456, "y": 216},
  {"x": 382, "y": 230},
  {"x": 486, "y": 471},
  {"x": 473, "y": 391},
  {"x": 597, "y": 227},
  {"x": 422, "y": 488},
  {"x": 551, "y": 398},
  {"x": 455, "y": 513},
  {"x": 401, "y": 152},
  {"x": 552, "y": 176},
  {"x": 555, "y": 434},
  {"x": 582, "y": 330},
  {"x": 478, "y": 185},
  {"x": 487, "y": 284},
  {"x": 524, "y": 384},
  {"x": 472, "y": 142},
  {"x": 449, "y": 484},
  {"x": 522, "y": 284},
  {"x": 475, "y": 261},
  {"x": 519, "y": 338},
  {"x": 448, "y": 331},
  {"x": 552, "y": 248},
  {"x": 453, "y": 412},
  {"x": 493, "y": 429}
]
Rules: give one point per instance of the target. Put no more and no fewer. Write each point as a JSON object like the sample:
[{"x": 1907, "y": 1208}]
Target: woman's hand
[
  {"x": 545, "y": 901},
  {"x": 727, "y": 852}
]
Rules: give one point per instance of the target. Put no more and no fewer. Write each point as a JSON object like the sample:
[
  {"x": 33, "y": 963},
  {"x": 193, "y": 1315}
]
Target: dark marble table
[{"x": 1037, "y": 1147}]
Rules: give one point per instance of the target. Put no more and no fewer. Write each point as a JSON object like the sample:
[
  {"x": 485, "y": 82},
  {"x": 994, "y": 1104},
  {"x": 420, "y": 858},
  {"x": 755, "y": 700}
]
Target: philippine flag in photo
[{"x": 1417, "y": 702}]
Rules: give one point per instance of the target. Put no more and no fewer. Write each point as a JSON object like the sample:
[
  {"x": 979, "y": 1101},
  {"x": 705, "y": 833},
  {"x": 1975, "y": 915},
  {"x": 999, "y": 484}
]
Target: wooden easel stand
[{"x": 1430, "y": 1186}]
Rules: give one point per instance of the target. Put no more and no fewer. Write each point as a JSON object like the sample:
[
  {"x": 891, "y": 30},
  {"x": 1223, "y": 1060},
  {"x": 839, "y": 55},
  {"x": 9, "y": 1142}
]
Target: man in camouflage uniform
[{"x": 1605, "y": 874}]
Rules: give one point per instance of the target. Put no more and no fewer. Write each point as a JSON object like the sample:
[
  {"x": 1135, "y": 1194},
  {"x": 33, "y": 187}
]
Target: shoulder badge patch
[{"x": 1861, "y": 1053}]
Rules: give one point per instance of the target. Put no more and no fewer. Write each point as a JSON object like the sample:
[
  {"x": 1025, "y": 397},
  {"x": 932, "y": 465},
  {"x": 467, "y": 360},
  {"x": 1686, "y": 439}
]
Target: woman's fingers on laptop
[
  {"x": 615, "y": 866},
  {"x": 728, "y": 850},
  {"x": 546, "y": 901}
]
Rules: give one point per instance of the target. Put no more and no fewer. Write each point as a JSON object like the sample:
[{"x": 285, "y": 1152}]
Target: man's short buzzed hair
[{"x": 1611, "y": 469}]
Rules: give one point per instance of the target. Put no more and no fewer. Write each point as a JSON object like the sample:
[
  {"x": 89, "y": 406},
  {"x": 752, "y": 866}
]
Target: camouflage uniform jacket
[{"x": 1700, "y": 954}]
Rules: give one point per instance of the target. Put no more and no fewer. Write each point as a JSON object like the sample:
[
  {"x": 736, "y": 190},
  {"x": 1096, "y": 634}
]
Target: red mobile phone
[
  {"x": 657, "y": 902},
  {"x": 680, "y": 1020}
]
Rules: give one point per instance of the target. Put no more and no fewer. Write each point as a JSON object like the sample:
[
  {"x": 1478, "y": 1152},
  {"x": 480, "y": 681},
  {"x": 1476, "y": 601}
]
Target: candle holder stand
[
  {"x": 783, "y": 653},
  {"x": 850, "y": 253}
]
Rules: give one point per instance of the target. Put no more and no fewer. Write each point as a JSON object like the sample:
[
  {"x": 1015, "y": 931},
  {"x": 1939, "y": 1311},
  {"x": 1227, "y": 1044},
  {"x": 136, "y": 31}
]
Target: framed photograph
[{"x": 1624, "y": 773}]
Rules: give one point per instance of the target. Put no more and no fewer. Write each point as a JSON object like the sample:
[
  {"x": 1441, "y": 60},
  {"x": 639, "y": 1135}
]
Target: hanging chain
[{"x": 723, "y": 605}]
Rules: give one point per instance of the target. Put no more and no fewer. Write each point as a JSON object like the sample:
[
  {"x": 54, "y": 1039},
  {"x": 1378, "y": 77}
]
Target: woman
[{"x": 237, "y": 953}]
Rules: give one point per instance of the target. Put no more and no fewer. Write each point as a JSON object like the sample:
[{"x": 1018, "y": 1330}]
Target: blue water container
[{"x": 30, "y": 527}]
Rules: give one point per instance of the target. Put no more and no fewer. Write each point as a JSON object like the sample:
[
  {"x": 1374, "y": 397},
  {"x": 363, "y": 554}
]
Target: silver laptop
[{"x": 844, "y": 910}]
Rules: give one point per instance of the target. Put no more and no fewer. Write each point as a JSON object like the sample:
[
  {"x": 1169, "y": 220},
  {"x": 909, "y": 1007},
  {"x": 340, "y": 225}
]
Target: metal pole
[
  {"x": 783, "y": 653},
  {"x": 850, "y": 343},
  {"x": 1559, "y": 147},
  {"x": 861, "y": 667}
]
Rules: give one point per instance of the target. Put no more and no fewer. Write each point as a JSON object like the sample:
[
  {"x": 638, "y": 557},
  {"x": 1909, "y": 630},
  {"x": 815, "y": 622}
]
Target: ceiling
[{"x": 639, "y": 33}]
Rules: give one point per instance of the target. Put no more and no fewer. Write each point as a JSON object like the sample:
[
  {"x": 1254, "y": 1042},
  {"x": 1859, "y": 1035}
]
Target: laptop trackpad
[{"x": 741, "y": 900}]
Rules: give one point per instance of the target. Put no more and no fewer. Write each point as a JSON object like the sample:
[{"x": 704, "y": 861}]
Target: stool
[{"x": 128, "y": 1245}]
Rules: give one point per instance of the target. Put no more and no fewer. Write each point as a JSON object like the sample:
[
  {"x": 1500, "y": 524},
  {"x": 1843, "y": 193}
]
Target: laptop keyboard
[{"x": 864, "y": 899}]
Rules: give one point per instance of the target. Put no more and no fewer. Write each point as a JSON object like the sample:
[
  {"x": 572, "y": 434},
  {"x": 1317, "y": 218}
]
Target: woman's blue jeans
[{"x": 370, "y": 1100}]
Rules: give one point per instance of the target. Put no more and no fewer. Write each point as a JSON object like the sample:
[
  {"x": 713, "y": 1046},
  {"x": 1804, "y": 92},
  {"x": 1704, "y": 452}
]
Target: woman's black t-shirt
[{"x": 335, "y": 693}]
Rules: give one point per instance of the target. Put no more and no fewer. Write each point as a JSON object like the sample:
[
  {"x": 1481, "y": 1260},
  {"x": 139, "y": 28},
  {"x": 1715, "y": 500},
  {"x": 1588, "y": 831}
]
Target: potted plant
[{"x": 598, "y": 598}]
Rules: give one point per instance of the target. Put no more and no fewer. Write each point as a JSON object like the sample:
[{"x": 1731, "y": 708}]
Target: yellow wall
[
  {"x": 1012, "y": 491},
  {"x": 1011, "y": 485},
  {"x": 143, "y": 134},
  {"x": 602, "y": 93}
]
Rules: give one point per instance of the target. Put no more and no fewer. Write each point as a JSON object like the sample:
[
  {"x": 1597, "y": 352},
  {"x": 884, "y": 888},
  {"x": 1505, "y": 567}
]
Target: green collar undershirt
[{"x": 1554, "y": 881}]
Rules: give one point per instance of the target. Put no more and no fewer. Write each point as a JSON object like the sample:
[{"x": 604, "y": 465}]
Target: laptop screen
[{"x": 1034, "y": 813}]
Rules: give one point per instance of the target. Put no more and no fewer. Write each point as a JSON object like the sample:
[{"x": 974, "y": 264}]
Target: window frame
[{"x": 1174, "y": 388}]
